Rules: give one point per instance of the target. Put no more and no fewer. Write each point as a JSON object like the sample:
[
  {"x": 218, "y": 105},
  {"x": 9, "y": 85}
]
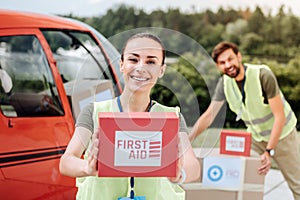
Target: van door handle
[{"x": 10, "y": 124}]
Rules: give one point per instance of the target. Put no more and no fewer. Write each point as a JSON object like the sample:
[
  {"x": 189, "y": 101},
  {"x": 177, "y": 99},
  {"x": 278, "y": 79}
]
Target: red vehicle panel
[{"x": 43, "y": 61}]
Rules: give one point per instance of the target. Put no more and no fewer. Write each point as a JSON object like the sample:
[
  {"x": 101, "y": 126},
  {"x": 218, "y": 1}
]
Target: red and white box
[
  {"x": 234, "y": 142},
  {"x": 140, "y": 144}
]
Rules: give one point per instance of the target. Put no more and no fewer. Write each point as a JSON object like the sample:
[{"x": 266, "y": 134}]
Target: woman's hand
[
  {"x": 188, "y": 167},
  {"x": 178, "y": 177},
  {"x": 71, "y": 163},
  {"x": 92, "y": 161}
]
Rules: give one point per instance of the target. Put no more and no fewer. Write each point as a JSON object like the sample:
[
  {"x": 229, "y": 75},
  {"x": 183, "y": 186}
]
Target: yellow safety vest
[
  {"x": 257, "y": 115},
  {"x": 153, "y": 188}
]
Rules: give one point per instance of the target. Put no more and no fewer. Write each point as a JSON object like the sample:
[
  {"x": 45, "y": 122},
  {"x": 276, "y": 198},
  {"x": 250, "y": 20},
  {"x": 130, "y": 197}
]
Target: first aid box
[
  {"x": 235, "y": 142},
  {"x": 138, "y": 144}
]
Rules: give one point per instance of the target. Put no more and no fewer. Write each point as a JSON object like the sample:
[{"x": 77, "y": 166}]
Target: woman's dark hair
[
  {"x": 146, "y": 35},
  {"x": 221, "y": 47}
]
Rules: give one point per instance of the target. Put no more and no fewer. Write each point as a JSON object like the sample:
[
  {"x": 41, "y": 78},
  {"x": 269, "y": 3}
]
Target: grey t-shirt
[
  {"x": 268, "y": 82},
  {"x": 85, "y": 119}
]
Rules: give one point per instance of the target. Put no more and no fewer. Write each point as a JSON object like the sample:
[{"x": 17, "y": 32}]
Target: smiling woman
[
  {"x": 141, "y": 67},
  {"x": 142, "y": 63}
]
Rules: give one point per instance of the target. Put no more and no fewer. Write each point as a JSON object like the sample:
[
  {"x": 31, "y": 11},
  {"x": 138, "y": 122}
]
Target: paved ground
[{"x": 276, "y": 187}]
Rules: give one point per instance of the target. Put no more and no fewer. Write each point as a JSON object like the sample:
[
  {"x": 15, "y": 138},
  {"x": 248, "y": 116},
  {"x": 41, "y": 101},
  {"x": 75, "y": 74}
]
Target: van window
[
  {"x": 83, "y": 66},
  {"x": 77, "y": 55},
  {"x": 33, "y": 91}
]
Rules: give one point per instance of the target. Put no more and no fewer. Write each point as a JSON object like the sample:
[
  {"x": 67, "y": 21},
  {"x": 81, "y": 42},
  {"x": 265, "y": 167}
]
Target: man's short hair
[{"x": 221, "y": 47}]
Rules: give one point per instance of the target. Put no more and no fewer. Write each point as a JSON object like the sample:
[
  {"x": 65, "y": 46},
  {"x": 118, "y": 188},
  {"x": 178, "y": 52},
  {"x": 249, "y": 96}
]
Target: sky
[{"x": 88, "y": 8}]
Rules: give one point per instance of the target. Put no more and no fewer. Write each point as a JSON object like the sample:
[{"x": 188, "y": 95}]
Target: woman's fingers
[
  {"x": 181, "y": 144},
  {"x": 93, "y": 155}
]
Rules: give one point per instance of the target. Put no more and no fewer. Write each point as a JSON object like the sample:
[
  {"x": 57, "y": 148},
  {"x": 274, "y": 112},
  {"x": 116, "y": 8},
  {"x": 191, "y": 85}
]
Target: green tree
[
  {"x": 158, "y": 18},
  {"x": 256, "y": 21},
  {"x": 188, "y": 83},
  {"x": 250, "y": 43},
  {"x": 235, "y": 30},
  {"x": 273, "y": 40},
  {"x": 211, "y": 35},
  {"x": 210, "y": 18},
  {"x": 290, "y": 31}
]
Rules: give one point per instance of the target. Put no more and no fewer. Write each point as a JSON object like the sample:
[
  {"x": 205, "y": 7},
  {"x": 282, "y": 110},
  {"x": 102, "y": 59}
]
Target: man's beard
[{"x": 237, "y": 71}]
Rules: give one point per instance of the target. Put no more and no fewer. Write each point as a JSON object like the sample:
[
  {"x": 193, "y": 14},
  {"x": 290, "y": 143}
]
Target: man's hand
[{"x": 265, "y": 160}]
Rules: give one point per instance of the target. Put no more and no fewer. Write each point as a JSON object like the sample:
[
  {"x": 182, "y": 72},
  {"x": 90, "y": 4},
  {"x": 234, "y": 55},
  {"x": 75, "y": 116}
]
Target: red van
[{"x": 50, "y": 68}]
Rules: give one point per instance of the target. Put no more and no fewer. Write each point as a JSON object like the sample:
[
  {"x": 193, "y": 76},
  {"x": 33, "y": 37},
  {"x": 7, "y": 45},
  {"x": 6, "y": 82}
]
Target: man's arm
[
  {"x": 276, "y": 106},
  {"x": 206, "y": 119},
  {"x": 271, "y": 89}
]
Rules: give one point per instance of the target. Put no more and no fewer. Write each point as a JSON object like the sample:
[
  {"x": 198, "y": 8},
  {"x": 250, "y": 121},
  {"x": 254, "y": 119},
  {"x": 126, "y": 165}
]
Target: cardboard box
[
  {"x": 143, "y": 144},
  {"x": 223, "y": 172},
  {"x": 82, "y": 92},
  {"x": 251, "y": 185},
  {"x": 252, "y": 163},
  {"x": 234, "y": 142}
]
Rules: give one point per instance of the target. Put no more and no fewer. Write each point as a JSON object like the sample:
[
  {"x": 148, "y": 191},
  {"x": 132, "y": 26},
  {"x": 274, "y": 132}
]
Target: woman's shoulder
[
  {"x": 157, "y": 107},
  {"x": 105, "y": 105}
]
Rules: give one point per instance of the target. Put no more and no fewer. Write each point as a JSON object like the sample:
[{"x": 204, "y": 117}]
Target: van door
[
  {"x": 35, "y": 119},
  {"x": 85, "y": 70}
]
